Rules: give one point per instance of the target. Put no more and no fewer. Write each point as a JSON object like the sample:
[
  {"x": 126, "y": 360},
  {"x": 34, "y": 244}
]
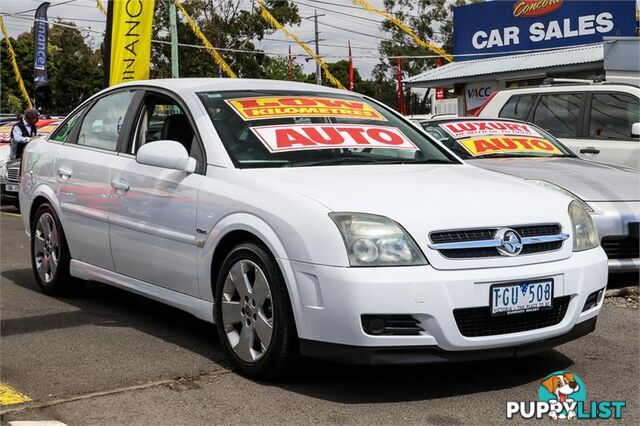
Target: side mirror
[
  {"x": 166, "y": 154},
  {"x": 635, "y": 130}
]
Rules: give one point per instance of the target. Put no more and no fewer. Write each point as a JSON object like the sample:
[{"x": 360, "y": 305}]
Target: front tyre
[
  {"x": 253, "y": 313},
  {"x": 49, "y": 253}
]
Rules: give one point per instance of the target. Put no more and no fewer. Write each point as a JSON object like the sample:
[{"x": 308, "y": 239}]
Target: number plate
[
  {"x": 516, "y": 298},
  {"x": 12, "y": 188}
]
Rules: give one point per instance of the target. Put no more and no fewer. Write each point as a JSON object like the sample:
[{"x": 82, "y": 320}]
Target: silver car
[{"x": 610, "y": 193}]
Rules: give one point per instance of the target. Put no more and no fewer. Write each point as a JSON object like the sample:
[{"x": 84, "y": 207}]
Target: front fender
[
  {"x": 233, "y": 222},
  {"x": 261, "y": 229}
]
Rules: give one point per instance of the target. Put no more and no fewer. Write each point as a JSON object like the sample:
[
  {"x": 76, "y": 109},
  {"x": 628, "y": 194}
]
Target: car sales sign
[
  {"x": 297, "y": 137},
  {"x": 512, "y": 26}
]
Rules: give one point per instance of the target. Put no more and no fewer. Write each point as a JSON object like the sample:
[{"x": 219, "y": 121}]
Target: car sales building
[{"x": 503, "y": 44}]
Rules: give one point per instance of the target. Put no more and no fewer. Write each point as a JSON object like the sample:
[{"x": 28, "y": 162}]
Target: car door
[
  {"x": 609, "y": 118},
  {"x": 153, "y": 217},
  {"x": 83, "y": 175}
]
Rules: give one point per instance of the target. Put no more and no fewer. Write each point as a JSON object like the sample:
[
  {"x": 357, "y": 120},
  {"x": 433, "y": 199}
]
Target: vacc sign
[{"x": 514, "y": 26}]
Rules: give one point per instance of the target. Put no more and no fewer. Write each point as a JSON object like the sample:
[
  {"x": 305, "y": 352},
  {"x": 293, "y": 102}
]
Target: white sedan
[{"x": 306, "y": 220}]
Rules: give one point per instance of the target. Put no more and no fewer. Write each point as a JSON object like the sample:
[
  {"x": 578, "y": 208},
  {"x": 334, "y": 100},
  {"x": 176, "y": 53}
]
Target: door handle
[
  {"x": 589, "y": 150},
  {"x": 64, "y": 173},
  {"x": 119, "y": 185}
]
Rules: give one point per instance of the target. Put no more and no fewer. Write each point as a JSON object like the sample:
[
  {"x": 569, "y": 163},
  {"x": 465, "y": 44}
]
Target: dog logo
[
  {"x": 563, "y": 386},
  {"x": 563, "y": 391}
]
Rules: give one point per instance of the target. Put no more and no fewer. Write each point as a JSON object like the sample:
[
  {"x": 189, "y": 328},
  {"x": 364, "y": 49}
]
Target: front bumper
[
  {"x": 433, "y": 354},
  {"x": 329, "y": 301},
  {"x": 614, "y": 221}
]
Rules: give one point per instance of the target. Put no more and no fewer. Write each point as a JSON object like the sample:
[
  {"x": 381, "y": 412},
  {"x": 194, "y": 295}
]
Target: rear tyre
[
  {"x": 50, "y": 254},
  {"x": 253, "y": 313}
]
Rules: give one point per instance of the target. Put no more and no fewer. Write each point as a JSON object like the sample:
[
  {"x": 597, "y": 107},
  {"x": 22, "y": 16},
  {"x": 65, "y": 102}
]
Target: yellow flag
[{"x": 129, "y": 37}]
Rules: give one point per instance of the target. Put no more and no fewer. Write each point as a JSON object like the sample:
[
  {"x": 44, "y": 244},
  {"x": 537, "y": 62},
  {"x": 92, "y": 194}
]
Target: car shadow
[
  {"x": 102, "y": 305},
  {"x": 374, "y": 384}
]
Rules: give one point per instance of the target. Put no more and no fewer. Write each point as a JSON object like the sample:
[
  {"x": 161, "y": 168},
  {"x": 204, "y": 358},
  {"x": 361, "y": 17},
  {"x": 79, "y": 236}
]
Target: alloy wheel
[
  {"x": 247, "y": 311},
  {"x": 46, "y": 247}
]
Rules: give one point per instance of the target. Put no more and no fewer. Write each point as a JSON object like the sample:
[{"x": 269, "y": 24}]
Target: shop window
[
  {"x": 612, "y": 114},
  {"x": 517, "y": 107},
  {"x": 559, "y": 114}
]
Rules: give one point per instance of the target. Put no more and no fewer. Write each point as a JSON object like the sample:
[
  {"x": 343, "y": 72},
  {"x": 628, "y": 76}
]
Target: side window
[
  {"x": 559, "y": 114},
  {"x": 101, "y": 126},
  {"x": 63, "y": 132},
  {"x": 612, "y": 114},
  {"x": 163, "y": 119},
  {"x": 517, "y": 107}
]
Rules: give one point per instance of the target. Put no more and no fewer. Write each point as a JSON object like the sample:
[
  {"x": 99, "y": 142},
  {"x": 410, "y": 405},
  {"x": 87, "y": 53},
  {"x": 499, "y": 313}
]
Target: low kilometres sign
[{"x": 510, "y": 26}]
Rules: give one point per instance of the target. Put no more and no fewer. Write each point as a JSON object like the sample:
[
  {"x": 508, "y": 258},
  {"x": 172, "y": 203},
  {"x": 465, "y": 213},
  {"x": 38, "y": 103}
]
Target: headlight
[
  {"x": 564, "y": 191},
  {"x": 373, "y": 240},
  {"x": 585, "y": 235},
  {"x": 3, "y": 170}
]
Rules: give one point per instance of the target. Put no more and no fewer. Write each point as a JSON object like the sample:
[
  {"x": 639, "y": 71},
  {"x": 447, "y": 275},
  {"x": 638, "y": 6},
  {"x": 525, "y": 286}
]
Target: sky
[{"x": 336, "y": 27}]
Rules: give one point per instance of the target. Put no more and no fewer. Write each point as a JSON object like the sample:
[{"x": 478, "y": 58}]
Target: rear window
[
  {"x": 496, "y": 138},
  {"x": 284, "y": 128}
]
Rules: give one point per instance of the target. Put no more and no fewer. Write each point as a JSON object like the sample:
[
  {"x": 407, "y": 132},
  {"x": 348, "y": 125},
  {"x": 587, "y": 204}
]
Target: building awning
[{"x": 503, "y": 67}]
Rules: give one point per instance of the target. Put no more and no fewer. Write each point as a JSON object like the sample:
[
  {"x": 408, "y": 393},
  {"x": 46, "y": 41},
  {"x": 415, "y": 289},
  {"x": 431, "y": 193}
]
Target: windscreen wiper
[
  {"x": 332, "y": 161},
  {"x": 358, "y": 160}
]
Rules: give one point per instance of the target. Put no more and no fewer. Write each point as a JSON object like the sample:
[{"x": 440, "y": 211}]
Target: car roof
[
  {"x": 573, "y": 87},
  {"x": 223, "y": 84}
]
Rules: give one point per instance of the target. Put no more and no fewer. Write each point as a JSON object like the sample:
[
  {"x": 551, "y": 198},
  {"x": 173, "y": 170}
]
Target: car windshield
[
  {"x": 296, "y": 129},
  {"x": 473, "y": 138}
]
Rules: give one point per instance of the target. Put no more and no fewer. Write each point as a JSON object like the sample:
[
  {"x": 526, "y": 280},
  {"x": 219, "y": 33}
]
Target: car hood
[
  {"x": 589, "y": 180},
  {"x": 422, "y": 197}
]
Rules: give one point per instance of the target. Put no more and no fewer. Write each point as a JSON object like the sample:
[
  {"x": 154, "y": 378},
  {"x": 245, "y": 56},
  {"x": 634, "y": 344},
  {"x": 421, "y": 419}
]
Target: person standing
[{"x": 23, "y": 132}]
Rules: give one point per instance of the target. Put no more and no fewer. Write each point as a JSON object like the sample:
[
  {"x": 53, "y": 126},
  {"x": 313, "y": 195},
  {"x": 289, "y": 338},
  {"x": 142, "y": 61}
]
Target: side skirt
[{"x": 199, "y": 308}]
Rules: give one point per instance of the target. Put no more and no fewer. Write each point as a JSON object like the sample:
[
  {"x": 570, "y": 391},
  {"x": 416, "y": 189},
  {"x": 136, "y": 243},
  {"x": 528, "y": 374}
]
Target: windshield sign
[
  {"x": 467, "y": 129},
  {"x": 256, "y": 108},
  {"x": 487, "y": 145},
  {"x": 310, "y": 136}
]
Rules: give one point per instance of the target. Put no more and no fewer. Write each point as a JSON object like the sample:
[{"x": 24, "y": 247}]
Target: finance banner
[
  {"x": 40, "y": 40},
  {"x": 128, "y": 40}
]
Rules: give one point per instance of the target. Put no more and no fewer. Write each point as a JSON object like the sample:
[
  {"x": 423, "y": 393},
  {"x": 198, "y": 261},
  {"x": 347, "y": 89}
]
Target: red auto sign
[{"x": 331, "y": 136}]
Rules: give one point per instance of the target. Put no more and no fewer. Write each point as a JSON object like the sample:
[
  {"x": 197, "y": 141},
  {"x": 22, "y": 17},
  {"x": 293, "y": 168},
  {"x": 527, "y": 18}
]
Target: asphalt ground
[{"x": 105, "y": 356}]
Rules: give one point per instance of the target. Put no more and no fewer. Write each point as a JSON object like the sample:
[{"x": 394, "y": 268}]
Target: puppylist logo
[{"x": 563, "y": 396}]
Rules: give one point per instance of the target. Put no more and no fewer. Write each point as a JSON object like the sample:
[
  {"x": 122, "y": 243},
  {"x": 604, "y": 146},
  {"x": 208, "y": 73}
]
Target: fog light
[{"x": 376, "y": 326}]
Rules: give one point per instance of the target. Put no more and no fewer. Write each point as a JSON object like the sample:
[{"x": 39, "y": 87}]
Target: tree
[
  {"x": 14, "y": 104},
  {"x": 278, "y": 69},
  {"x": 227, "y": 26}
]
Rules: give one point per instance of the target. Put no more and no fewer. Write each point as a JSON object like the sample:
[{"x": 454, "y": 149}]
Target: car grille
[
  {"x": 621, "y": 247},
  {"x": 478, "y": 322},
  {"x": 13, "y": 172},
  {"x": 488, "y": 234}
]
